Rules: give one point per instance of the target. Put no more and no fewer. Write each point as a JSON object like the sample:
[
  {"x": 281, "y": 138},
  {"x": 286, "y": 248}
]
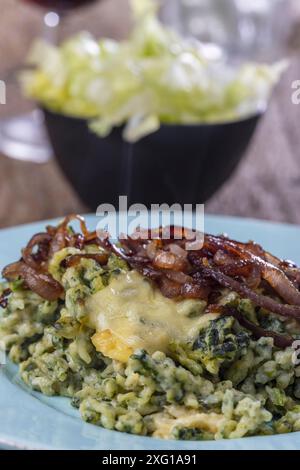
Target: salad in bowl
[{"x": 154, "y": 77}]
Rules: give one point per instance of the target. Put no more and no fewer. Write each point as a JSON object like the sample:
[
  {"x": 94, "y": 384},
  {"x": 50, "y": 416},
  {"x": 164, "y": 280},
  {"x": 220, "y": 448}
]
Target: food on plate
[
  {"x": 155, "y": 76},
  {"x": 151, "y": 338}
]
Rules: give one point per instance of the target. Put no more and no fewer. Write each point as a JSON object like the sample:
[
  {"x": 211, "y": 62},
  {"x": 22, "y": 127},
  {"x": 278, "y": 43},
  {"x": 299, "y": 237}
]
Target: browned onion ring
[
  {"x": 41, "y": 240},
  {"x": 4, "y": 298},
  {"x": 272, "y": 274},
  {"x": 280, "y": 341},
  {"x": 260, "y": 300},
  {"x": 61, "y": 237},
  {"x": 40, "y": 283}
]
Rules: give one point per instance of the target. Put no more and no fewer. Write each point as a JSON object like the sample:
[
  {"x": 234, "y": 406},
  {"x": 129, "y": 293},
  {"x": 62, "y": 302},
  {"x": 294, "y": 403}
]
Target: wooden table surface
[{"x": 266, "y": 184}]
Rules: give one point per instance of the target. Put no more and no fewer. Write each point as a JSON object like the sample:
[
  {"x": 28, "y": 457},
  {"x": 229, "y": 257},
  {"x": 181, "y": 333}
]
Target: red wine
[{"x": 60, "y": 4}]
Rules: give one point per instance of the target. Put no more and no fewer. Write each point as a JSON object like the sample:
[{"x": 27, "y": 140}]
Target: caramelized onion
[
  {"x": 40, "y": 283},
  {"x": 293, "y": 274},
  {"x": 42, "y": 241},
  {"x": 178, "y": 276},
  {"x": 168, "y": 260},
  {"x": 12, "y": 271},
  {"x": 58, "y": 243},
  {"x": 151, "y": 249},
  {"x": 178, "y": 250},
  {"x": 74, "y": 260},
  {"x": 169, "y": 288},
  {"x": 148, "y": 271},
  {"x": 281, "y": 284},
  {"x": 64, "y": 225},
  {"x": 272, "y": 274},
  {"x": 63, "y": 237},
  {"x": 4, "y": 298},
  {"x": 195, "y": 291},
  {"x": 245, "y": 291},
  {"x": 280, "y": 341}
]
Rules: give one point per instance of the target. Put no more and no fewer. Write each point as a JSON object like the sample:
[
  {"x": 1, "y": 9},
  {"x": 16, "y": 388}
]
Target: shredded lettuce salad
[{"x": 153, "y": 77}]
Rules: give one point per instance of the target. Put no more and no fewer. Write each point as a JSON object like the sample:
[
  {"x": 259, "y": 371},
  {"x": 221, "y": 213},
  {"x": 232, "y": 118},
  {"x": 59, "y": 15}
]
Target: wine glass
[
  {"x": 23, "y": 136},
  {"x": 244, "y": 29},
  {"x": 262, "y": 29}
]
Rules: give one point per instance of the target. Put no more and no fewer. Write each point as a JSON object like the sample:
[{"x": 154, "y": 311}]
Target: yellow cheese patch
[
  {"x": 111, "y": 346},
  {"x": 173, "y": 416},
  {"x": 130, "y": 314}
]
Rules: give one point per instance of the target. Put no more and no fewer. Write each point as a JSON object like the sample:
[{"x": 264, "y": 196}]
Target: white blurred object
[
  {"x": 263, "y": 26},
  {"x": 296, "y": 7},
  {"x": 252, "y": 29},
  {"x": 24, "y": 138}
]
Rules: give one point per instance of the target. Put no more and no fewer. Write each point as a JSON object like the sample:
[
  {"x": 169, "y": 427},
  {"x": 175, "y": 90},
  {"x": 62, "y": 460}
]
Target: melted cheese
[
  {"x": 130, "y": 314},
  {"x": 182, "y": 417}
]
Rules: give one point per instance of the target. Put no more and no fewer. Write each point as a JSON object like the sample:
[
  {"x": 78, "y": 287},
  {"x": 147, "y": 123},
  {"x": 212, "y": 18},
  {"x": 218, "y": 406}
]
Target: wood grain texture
[{"x": 266, "y": 184}]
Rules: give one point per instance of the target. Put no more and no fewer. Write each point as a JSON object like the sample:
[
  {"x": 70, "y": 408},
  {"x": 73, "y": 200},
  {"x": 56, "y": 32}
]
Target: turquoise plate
[{"x": 29, "y": 420}]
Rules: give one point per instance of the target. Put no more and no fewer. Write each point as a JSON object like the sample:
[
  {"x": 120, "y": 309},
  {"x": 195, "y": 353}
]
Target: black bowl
[{"x": 183, "y": 164}]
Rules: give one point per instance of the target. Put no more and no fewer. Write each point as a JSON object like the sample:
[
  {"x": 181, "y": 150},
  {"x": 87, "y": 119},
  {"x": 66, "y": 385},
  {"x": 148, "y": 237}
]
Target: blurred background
[{"x": 267, "y": 182}]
